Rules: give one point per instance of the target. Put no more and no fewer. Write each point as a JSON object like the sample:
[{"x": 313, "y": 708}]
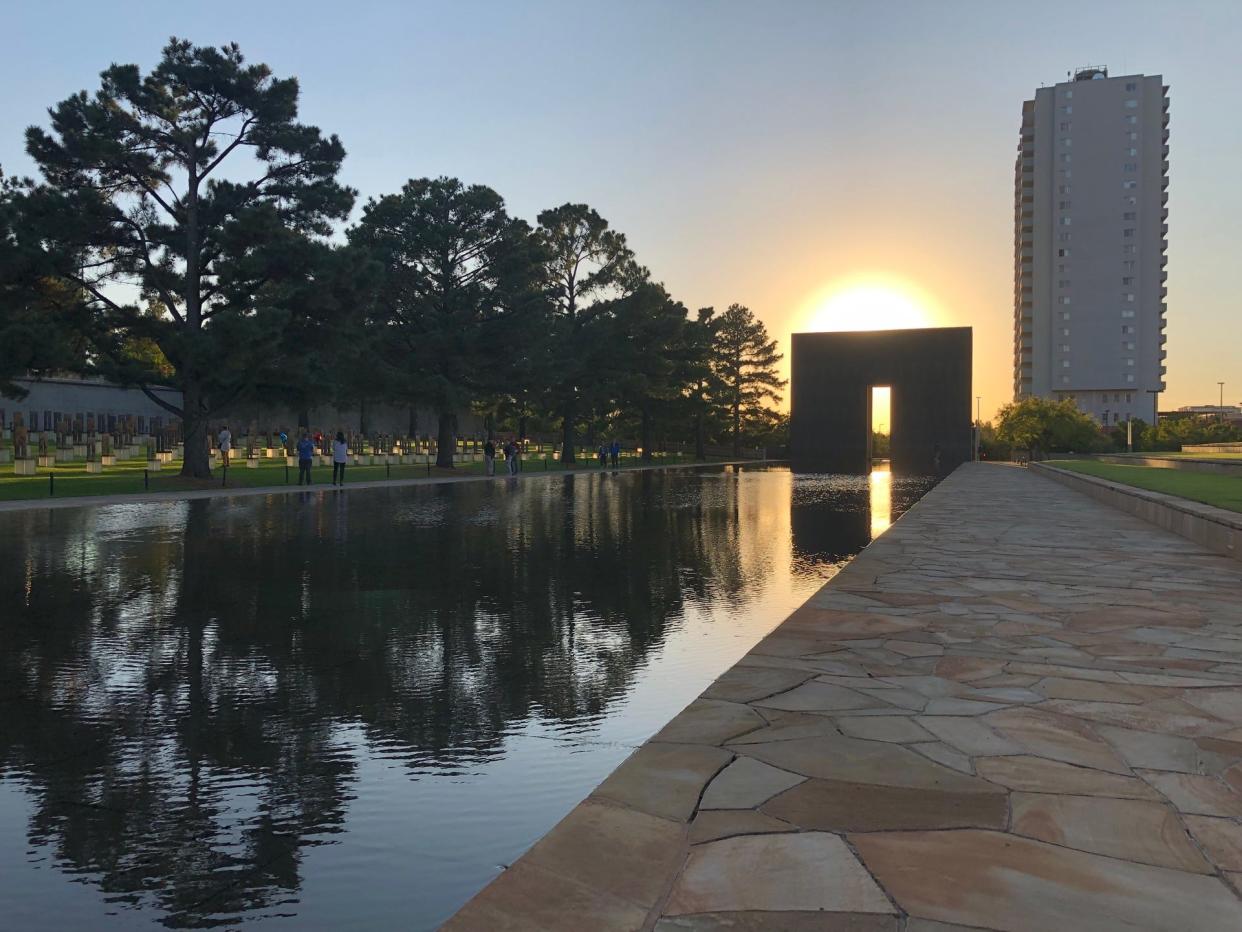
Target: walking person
[
  {"x": 340, "y": 455},
  {"x": 603, "y": 456},
  {"x": 224, "y": 440},
  {"x": 489, "y": 457},
  {"x": 306, "y": 455},
  {"x": 511, "y": 457},
  {"x": 615, "y": 452}
]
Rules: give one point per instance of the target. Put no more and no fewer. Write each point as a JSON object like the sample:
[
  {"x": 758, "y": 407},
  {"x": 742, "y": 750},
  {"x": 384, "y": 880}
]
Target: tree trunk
[
  {"x": 700, "y": 441},
  {"x": 644, "y": 435},
  {"x": 567, "y": 436},
  {"x": 737, "y": 430},
  {"x": 197, "y": 462},
  {"x": 446, "y": 441},
  {"x": 522, "y": 427}
]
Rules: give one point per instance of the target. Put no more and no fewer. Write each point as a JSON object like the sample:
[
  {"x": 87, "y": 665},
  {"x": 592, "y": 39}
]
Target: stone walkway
[{"x": 1018, "y": 709}]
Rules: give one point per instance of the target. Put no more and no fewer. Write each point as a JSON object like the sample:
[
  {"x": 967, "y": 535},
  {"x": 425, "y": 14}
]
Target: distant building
[{"x": 1090, "y": 227}]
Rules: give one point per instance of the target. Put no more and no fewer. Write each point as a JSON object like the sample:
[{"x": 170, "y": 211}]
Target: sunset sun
[{"x": 869, "y": 306}]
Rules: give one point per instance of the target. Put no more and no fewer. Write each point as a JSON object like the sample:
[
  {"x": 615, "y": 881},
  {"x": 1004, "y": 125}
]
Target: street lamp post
[
  {"x": 978, "y": 426},
  {"x": 1220, "y": 408}
]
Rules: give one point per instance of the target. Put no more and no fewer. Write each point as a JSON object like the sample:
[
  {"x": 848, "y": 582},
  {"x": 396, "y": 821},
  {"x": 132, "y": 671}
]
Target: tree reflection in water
[{"x": 187, "y": 690}]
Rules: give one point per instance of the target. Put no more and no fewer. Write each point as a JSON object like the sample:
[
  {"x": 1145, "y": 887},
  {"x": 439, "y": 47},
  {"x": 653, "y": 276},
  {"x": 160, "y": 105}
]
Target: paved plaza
[{"x": 1019, "y": 709}]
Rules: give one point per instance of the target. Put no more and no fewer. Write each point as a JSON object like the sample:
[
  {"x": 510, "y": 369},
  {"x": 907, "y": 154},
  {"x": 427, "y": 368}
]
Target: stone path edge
[
  {"x": 95, "y": 501},
  {"x": 1214, "y": 528},
  {"x": 553, "y": 892}
]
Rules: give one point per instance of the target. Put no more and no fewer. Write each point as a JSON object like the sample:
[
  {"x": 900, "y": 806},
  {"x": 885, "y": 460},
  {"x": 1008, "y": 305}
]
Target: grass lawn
[
  {"x": 1221, "y": 491},
  {"x": 72, "y": 480}
]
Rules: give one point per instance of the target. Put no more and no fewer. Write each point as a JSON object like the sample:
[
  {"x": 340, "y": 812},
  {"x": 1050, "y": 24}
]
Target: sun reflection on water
[{"x": 881, "y": 488}]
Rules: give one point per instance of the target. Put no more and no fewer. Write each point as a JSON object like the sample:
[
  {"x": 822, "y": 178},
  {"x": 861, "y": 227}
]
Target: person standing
[
  {"x": 224, "y": 440},
  {"x": 511, "y": 457},
  {"x": 340, "y": 455},
  {"x": 615, "y": 451},
  {"x": 603, "y": 456},
  {"x": 489, "y": 457},
  {"x": 306, "y": 455}
]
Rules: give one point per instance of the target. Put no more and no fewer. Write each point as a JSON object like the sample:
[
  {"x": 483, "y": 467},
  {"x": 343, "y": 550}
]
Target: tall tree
[
  {"x": 587, "y": 262},
  {"x": 701, "y": 387},
  {"x": 195, "y": 187},
  {"x": 650, "y": 365},
  {"x": 458, "y": 292},
  {"x": 37, "y": 314},
  {"x": 744, "y": 363}
]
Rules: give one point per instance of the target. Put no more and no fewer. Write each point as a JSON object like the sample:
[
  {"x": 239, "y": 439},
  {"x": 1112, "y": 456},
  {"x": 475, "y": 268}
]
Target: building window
[
  {"x": 1129, "y": 345},
  {"x": 1069, "y": 94},
  {"x": 1129, "y": 361},
  {"x": 1128, "y": 232},
  {"x": 1064, "y": 299},
  {"x": 1066, "y": 221},
  {"x": 1065, "y": 126},
  {"x": 1127, "y": 264},
  {"x": 1063, "y": 189},
  {"x": 1131, "y": 119},
  {"x": 1131, "y": 85},
  {"x": 1132, "y": 151},
  {"x": 1065, "y": 315},
  {"x": 1063, "y": 252},
  {"x": 1132, "y": 136},
  {"x": 1066, "y": 157},
  {"x": 1127, "y": 280},
  {"x": 1131, "y": 104},
  {"x": 1128, "y": 313},
  {"x": 1067, "y": 109},
  {"x": 1129, "y": 397},
  {"x": 1129, "y": 377},
  {"x": 1129, "y": 185},
  {"x": 1129, "y": 250},
  {"x": 1065, "y": 331},
  {"x": 1129, "y": 215},
  {"x": 1127, "y": 328},
  {"x": 1130, "y": 200},
  {"x": 1063, "y": 283},
  {"x": 1067, "y": 142},
  {"x": 1064, "y": 205},
  {"x": 1130, "y": 166},
  {"x": 1064, "y": 237},
  {"x": 1065, "y": 363},
  {"x": 1065, "y": 380},
  {"x": 1065, "y": 347}
]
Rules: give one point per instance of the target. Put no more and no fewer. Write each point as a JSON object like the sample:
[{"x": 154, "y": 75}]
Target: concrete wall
[
  {"x": 1218, "y": 467},
  {"x": 929, "y": 371},
  {"x": 1213, "y": 528},
  {"x": 69, "y": 398}
]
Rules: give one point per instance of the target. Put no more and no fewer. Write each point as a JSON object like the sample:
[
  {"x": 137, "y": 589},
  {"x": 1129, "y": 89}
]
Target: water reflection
[
  {"x": 880, "y": 498},
  {"x": 350, "y": 708}
]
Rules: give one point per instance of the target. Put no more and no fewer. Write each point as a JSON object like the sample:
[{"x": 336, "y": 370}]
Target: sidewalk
[
  {"x": 87, "y": 501},
  {"x": 1018, "y": 709}
]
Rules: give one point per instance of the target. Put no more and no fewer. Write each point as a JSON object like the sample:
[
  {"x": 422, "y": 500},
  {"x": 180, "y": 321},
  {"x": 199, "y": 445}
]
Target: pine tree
[{"x": 744, "y": 363}]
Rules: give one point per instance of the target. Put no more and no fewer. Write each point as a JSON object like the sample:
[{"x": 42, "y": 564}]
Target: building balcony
[
  {"x": 1166, "y": 150},
  {"x": 1165, "y": 165},
  {"x": 1164, "y": 338}
]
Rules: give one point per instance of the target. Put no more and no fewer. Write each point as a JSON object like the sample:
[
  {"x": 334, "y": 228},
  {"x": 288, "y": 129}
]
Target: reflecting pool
[{"x": 352, "y": 709}]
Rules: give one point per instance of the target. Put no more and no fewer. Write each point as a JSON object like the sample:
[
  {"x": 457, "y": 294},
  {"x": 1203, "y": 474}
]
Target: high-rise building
[{"x": 1090, "y": 225}]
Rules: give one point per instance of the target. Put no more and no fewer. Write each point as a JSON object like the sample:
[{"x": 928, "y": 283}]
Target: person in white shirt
[
  {"x": 340, "y": 454},
  {"x": 225, "y": 441}
]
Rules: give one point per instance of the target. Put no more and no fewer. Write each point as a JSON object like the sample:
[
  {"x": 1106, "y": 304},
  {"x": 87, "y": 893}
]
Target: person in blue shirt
[
  {"x": 615, "y": 451},
  {"x": 306, "y": 455}
]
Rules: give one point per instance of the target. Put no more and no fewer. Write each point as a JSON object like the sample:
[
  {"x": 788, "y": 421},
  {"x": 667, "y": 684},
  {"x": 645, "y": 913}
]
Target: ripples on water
[{"x": 351, "y": 710}]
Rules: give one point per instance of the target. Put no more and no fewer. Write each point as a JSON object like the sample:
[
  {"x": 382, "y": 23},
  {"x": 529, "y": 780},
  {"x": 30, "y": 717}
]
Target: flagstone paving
[{"x": 1018, "y": 709}]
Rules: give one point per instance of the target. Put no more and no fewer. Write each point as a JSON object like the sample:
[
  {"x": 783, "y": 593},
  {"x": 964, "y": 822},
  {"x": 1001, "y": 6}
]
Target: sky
[{"x": 828, "y": 164}]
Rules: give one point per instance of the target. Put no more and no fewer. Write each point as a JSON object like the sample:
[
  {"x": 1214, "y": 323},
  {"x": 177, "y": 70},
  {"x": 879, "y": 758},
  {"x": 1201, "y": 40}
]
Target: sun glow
[{"x": 869, "y": 305}]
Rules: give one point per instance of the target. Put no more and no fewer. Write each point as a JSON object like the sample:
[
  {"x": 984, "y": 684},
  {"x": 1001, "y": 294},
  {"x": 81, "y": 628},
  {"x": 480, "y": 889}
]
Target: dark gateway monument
[{"x": 830, "y": 408}]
